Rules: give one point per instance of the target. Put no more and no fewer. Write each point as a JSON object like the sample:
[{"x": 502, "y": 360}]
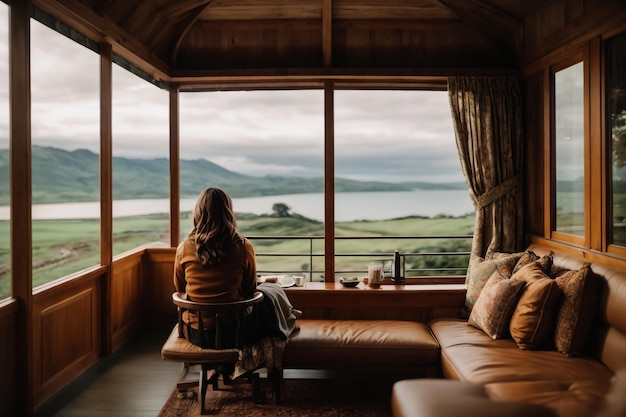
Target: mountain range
[{"x": 61, "y": 176}]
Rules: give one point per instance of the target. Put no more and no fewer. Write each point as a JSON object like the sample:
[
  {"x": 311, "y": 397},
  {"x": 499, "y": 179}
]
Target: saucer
[{"x": 349, "y": 282}]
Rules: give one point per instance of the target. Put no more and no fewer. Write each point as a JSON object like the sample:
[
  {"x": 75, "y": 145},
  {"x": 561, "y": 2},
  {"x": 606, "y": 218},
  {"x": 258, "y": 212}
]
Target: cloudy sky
[{"x": 379, "y": 135}]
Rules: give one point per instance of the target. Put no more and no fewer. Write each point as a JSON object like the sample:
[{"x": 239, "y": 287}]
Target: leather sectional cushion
[
  {"x": 432, "y": 397},
  {"x": 581, "y": 398},
  {"x": 559, "y": 381},
  {"x": 331, "y": 344}
]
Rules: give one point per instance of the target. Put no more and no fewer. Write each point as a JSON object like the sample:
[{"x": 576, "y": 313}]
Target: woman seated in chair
[{"x": 214, "y": 264}]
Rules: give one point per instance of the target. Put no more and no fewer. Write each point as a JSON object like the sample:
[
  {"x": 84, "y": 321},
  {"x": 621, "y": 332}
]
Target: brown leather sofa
[{"x": 486, "y": 375}]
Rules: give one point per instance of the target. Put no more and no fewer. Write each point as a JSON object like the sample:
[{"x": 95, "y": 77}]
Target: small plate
[
  {"x": 284, "y": 281},
  {"x": 349, "y": 282}
]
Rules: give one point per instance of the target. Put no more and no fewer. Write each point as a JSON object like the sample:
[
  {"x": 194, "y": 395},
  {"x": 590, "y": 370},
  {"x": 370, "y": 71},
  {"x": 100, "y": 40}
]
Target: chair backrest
[{"x": 214, "y": 311}]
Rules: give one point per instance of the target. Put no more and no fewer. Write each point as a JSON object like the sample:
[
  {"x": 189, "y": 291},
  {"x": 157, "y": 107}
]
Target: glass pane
[
  {"x": 65, "y": 155},
  {"x": 569, "y": 148},
  {"x": 616, "y": 82},
  {"x": 5, "y": 243},
  {"x": 266, "y": 149},
  {"x": 141, "y": 170},
  {"x": 399, "y": 184}
]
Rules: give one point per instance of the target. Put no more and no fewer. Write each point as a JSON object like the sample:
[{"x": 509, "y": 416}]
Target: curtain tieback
[{"x": 494, "y": 194}]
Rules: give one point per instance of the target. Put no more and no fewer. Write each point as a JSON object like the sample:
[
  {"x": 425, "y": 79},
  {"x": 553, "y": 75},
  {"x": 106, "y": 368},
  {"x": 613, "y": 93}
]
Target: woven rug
[{"x": 300, "y": 398}]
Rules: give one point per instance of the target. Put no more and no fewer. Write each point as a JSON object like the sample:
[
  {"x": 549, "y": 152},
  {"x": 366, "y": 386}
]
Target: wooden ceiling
[{"x": 181, "y": 38}]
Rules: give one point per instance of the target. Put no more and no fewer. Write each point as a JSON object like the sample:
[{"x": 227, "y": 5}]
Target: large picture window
[
  {"x": 569, "y": 142},
  {"x": 65, "y": 155},
  {"x": 266, "y": 149},
  {"x": 399, "y": 185}
]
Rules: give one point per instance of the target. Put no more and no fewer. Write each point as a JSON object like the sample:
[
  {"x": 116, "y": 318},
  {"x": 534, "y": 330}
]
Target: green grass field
[{"x": 63, "y": 247}]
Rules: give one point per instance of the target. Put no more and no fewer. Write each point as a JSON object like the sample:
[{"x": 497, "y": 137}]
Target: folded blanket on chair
[{"x": 266, "y": 331}]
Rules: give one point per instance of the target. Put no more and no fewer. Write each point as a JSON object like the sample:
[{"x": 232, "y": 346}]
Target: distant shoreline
[{"x": 349, "y": 206}]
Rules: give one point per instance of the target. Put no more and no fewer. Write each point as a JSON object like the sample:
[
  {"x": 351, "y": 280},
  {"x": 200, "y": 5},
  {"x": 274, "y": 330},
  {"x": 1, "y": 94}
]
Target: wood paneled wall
[
  {"x": 68, "y": 322},
  {"x": 126, "y": 294},
  {"x": 66, "y": 331},
  {"x": 8, "y": 319},
  {"x": 566, "y": 23},
  {"x": 158, "y": 284}
]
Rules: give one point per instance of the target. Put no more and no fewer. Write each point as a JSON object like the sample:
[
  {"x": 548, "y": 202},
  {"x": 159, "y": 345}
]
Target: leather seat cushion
[
  {"x": 565, "y": 384},
  {"x": 447, "y": 398},
  {"x": 348, "y": 343},
  {"x": 180, "y": 349}
]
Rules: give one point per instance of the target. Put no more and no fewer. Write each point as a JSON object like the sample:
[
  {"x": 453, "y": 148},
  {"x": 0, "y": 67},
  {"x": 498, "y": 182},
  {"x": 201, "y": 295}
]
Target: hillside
[{"x": 61, "y": 176}]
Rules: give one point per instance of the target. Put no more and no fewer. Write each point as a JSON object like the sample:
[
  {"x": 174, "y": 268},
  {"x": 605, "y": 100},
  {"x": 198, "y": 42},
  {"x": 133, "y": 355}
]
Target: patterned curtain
[{"x": 487, "y": 121}]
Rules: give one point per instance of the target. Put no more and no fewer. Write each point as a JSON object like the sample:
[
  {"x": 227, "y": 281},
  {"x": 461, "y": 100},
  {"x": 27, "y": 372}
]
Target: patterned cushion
[
  {"x": 576, "y": 312},
  {"x": 480, "y": 270},
  {"x": 527, "y": 257},
  {"x": 533, "y": 319},
  {"x": 493, "y": 309}
]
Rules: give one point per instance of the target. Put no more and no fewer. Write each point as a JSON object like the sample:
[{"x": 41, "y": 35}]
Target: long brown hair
[{"x": 214, "y": 233}]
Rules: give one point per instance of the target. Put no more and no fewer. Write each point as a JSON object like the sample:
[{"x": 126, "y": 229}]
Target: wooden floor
[{"x": 133, "y": 382}]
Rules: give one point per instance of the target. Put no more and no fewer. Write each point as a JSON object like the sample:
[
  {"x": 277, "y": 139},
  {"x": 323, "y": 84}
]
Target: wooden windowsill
[
  {"x": 391, "y": 287},
  {"x": 335, "y": 295}
]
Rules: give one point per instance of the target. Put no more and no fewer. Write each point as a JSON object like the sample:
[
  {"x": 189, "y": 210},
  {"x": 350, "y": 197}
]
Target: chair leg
[
  {"x": 275, "y": 376},
  {"x": 257, "y": 395},
  {"x": 202, "y": 387},
  {"x": 213, "y": 379}
]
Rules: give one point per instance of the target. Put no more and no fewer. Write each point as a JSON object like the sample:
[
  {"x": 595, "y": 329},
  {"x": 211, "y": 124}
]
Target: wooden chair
[{"x": 178, "y": 348}]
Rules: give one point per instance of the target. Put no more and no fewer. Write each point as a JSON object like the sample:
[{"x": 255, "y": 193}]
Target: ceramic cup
[
  {"x": 298, "y": 280},
  {"x": 374, "y": 273}
]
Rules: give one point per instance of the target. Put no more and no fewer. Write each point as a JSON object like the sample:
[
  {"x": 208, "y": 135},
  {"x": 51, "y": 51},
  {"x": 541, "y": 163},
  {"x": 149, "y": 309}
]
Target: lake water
[{"x": 348, "y": 206}]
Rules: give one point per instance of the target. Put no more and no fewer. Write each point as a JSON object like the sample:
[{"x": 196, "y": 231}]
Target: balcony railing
[{"x": 436, "y": 256}]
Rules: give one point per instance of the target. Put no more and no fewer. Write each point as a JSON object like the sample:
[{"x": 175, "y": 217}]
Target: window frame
[
  {"x": 584, "y": 241},
  {"x": 609, "y": 246}
]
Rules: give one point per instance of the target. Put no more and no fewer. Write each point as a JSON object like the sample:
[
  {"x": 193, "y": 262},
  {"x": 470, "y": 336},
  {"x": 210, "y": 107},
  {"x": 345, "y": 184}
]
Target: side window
[
  {"x": 569, "y": 142},
  {"x": 65, "y": 154},
  {"x": 5, "y": 221},
  {"x": 616, "y": 94},
  {"x": 140, "y": 162}
]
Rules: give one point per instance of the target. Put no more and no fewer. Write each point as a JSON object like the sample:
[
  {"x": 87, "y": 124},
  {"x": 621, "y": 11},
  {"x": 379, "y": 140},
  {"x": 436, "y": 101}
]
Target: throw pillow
[
  {"x": 480, "y": 271},
  {"x": 495, "y": 304},
  {"x": 534, "y": 316},
  {"x": 546, "y": 262},
  {"x": 528, "y": 257},
  {"x": 574, "y": 320}
]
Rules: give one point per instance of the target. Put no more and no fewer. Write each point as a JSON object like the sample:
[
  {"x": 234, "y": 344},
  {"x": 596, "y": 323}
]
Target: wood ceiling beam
[
  {"x": 101, "y": 29},
  {"x": 179, "y": 7},
  {"x": 185, "y": 24},
  {"x": 327, "y": 33},
  {"x": 316, "y": 76},
  {"x": 501, "y": 29}
]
